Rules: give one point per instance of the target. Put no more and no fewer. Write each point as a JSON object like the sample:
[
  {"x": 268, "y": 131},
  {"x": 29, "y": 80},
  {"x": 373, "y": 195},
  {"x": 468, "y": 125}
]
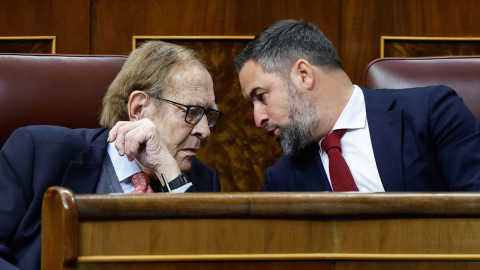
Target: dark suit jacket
[
  {"x": 38, "y": 157},
  {"x": 424, "y": 139}
]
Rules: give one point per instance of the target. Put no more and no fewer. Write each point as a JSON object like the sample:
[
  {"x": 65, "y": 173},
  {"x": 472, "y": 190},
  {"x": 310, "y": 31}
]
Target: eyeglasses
[{"x": 195, "y": 113}]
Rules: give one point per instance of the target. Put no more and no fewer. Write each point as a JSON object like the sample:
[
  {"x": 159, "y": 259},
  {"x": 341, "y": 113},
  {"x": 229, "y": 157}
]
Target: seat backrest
[
  {"x": 462, "y": 73},
  {"x": 64, "y": 90}
]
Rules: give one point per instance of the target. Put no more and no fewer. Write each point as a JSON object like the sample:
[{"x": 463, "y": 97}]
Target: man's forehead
[
  {"x": 250, "y": 70},
  {"x": 254, "y": 78},
  {"x": 248, "y": 78},
  {"x": 191, "y": 78},
  {"x": 193, "y": 84},
  {"x": 194, "y": 95}
]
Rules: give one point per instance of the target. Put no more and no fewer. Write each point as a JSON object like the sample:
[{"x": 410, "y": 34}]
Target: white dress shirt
[
  {"x": 124, "y": 170},
  {"x": 356, "y": 145}
]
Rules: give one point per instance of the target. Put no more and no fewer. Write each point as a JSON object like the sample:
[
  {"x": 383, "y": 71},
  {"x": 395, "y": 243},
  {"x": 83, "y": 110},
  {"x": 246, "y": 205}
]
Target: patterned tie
[
  {"x": 141, "y": 182},
  {"x": 340, "y": 175}
]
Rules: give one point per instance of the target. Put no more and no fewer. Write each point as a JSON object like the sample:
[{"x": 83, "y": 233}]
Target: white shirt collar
[
  {"x": 354, "y": 114},
  {"x": 123, "y": 167}
]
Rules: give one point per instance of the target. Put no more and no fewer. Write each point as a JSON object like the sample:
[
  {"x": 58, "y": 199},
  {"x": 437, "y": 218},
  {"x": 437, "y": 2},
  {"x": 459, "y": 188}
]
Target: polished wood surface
[
  {"x": 212, "y": 231},
  {"x": 121, "y": 19},
  {"x": 59, "y": 230},
  {"x": 364, "y": 22},
  {"x": 27, "y": 44},
  {"x": 69, "y": 21},
  {"x": 404, "y": 265},
  {"x": 240, "y": 265},
  {"x": 272, "y": 204},
  {"x": 428, "y": 46}
]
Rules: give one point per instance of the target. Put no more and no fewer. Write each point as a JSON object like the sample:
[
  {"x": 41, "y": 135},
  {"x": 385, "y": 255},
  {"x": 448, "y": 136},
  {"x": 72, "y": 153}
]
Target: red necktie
[
  {"x": 340, "y": 175},
  {"x": 141, "y": 182}
]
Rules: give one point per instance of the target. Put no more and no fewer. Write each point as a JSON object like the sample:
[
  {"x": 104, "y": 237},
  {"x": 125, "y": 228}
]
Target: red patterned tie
[
  {"x": 141, "y": 182},
  {"x": 340, "y": 175}
]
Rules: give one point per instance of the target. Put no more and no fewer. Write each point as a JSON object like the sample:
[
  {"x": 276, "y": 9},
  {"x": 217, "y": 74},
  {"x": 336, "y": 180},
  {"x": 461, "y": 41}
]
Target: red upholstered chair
[
  {"x": 64, "y": 90},
  {"x": 462, "y": 73}
]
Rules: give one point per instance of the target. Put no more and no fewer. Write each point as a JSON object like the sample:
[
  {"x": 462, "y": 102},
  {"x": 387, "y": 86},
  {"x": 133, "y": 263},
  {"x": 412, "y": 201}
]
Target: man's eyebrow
[{"x": 252, "y": 94}]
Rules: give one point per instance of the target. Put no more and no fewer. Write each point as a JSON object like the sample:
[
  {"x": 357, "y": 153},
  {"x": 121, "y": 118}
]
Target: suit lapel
[
  {"x": 309, "y": 172},
  {"x": 83, "y": 173},
  {"x": 385, "y": 125}
]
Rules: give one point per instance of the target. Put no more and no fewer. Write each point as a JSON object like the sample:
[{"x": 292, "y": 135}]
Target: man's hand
[{"x": 141, "y": 141}]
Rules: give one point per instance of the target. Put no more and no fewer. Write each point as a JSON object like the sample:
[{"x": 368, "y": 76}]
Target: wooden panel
[
  {"x": 27, "y": 45},
  {"x": 365, "y": 21},
  {"x": 71, "y": 25},
  {"x": 428, "y": 46},
  {"x": 239, "y": 265},
  {"x": 59, "y": 230},
  {"x": 117, "y": 21},
  {"x": 322, "y": 225},
  {"x": 69, "y": 21},
  {"x": 410, "y": 265},
  {"x": 367, "y": 238},
  {"x": 301, "y": 230},
  {"x": 25, "y": 18}
]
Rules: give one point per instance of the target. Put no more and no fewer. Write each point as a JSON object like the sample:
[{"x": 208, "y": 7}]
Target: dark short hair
[{"x": 281, "y": 44}]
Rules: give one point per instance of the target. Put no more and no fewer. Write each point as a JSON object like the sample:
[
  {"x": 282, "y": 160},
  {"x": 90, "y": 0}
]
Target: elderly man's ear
[{"x": 137, "y": 103}]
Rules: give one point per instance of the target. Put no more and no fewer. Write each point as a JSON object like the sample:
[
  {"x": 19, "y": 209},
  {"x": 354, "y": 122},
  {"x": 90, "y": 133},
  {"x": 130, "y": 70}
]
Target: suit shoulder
[
  {"x": 48, "y": 136},
  {"x": 417, "y": 98},
  {"x": 63, "y": 132},
  {"x": 284, "y": 164},
  {"x": 435, "y": 90}
]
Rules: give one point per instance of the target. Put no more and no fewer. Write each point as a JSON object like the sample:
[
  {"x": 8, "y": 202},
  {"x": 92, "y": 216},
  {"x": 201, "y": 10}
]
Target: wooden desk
[{"x": 340, "y": 231}]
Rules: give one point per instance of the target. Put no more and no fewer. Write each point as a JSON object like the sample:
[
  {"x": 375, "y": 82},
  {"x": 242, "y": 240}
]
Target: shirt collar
[
  {"x": 123, "y": 167},
  {"x": 354, "y": 114}
]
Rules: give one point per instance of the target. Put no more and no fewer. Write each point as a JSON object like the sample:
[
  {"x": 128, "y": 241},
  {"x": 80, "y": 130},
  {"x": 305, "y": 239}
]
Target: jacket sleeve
[
  {"x": 16, "y": 195},
  {"x": 455, "y": 134}
]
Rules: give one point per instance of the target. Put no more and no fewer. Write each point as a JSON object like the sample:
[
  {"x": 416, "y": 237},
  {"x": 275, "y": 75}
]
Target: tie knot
[
  {"x": 141, "y": 183},
  {"x": 333, "y": 140}
]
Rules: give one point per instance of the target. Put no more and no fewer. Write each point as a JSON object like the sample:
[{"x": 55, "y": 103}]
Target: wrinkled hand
[{"x": 140, "y": 140}]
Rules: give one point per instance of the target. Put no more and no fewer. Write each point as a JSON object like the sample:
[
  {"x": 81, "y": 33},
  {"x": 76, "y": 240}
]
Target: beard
[{"x": 297, "y": 134}]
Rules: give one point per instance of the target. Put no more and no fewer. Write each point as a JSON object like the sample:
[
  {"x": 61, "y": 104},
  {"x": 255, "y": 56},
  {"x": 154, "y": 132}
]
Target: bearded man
[{"x": 337, "y": 136}]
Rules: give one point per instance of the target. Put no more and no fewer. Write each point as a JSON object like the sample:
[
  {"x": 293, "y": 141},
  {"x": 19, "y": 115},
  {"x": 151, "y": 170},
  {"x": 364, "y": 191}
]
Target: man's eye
[{"x": 261, "y": 97}]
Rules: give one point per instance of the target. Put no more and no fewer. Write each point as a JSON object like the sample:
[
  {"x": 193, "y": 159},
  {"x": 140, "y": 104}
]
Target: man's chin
[
  {"x": 286, "y": 147},
  {"x": 185, "y": 165},
  {"x": 292, "y": 148}
]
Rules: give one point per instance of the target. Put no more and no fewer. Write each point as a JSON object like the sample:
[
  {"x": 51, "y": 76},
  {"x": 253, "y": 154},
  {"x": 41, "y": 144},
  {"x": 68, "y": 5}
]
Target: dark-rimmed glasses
[{"x": 195, "y": 113}]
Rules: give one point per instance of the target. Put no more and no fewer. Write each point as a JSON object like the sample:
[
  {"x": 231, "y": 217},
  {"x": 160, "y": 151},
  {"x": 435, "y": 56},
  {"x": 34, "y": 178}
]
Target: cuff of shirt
[{"x": 182, "y": 189}]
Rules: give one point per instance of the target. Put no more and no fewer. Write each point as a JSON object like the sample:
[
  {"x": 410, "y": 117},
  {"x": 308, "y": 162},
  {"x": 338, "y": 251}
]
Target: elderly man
[
  {"x": 156, "y": 113},
  {"x": 422, "y": 139}
]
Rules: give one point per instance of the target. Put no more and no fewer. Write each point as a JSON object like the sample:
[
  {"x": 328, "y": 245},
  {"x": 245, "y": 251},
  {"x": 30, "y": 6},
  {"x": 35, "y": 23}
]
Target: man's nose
[
  {"x": 202, "y": 129},
  {"x": 260, "y": 115}
]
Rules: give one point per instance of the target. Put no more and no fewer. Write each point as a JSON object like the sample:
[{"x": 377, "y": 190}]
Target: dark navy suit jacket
[
  {"x": 423, "y": 139},
  {"x": 38, "y": 157}
]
